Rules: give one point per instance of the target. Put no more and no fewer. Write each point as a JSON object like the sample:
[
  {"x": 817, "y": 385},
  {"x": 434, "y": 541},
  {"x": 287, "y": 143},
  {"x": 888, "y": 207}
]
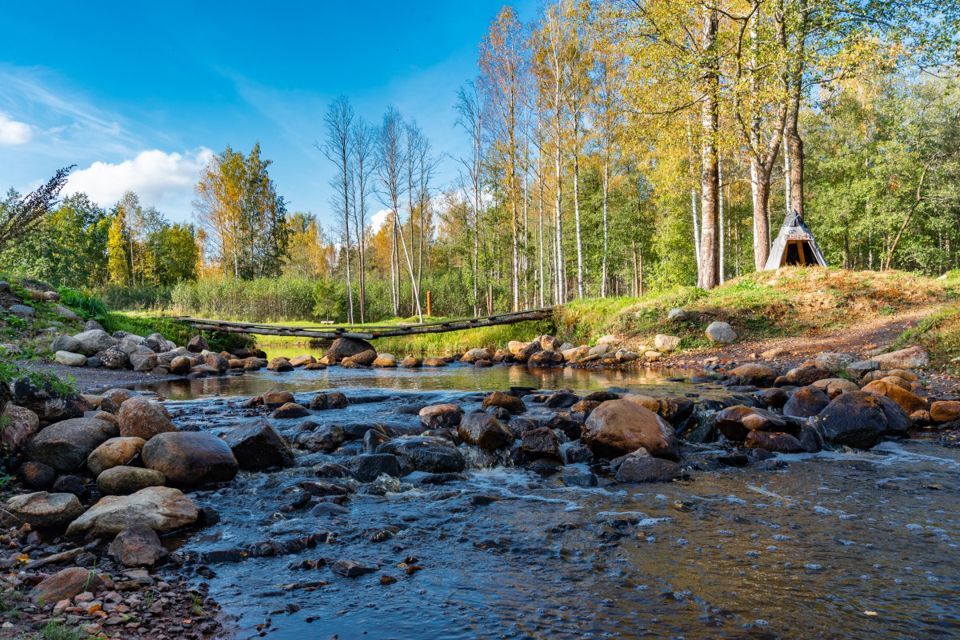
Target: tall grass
[{"x": 260, "y": 300}]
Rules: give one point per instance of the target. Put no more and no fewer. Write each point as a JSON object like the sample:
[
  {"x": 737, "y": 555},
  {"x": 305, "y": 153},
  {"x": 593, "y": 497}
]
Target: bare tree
[
  {"x": 18, "y": 220},
  {"x": 364, "y": 164},
  {"x": 339, "y": 124},
  {"x": 389, "y": 169},
  {"x": 470, "y": 118}
]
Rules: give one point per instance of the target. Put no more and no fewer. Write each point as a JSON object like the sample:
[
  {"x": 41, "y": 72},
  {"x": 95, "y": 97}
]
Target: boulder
[
  {"x": 70, "y": 359},
  {"x": 347, "y": 347},
  {"x": 111, "y": 399},
  {"x": 549, "y": 343},
  {"x": 485, "y": 431},
  {"x": 666, "y": 343},
  {"x": 143, "y": 360},
  {"x": 861, "y": 419},
  {"x": 364, "y": 358},
  {"x": 835, "y": 386},
  {"x": 759, "y": 375},
  {"x": 410, "y": 362},
  {"x": 289, "y": 411},
  {"x": 66, "y": 343},
  {"x": 22, "y": 310},
  {"x": 65, "y": 584},
  {"x": 279, "y": 365},
  {"x": 909, "y": 358},
  {"x": 539, "y": 443},
  {"x": 434, "y": 362},
  {"x": 945, "y": 410},
  {"x": 137, "y": 546},
  {"x": 259, "y": 446},
  {"x": 805, "y": 375},
  {"x": 197, "y": 344},
  {"x": 440, "y": 416},
  {"x": 66, "y": 445},
  {"x": 545, "y": 358},
  {"x": 140, "y": 417},
  {"x": 672, "y": 409},
  {"x": 720, "y": 333},
  {"x": 216, "y": 361},
  {"x": 806, "y": 402},
  {"x": 773, "y": 441},
  {"x": 276, "y": 397},
  {"x": 36, "y": 475},
  {"x": 513, "y": 404},
  {"x": 677, "y": 315},
  {"x": 130, "y": 343},
  {"x": 385, "y": 361},
  {"x": 180, "y": 365},
  {"x": 576, "y": 354},
  {"x": 19, "y": 425},
  {"x": 473, "y": 355},
  {"x": 123, "y": 480},
  {"x": 617, "y": 427},
  {"x": 42, "y": 509},
  {"x": 93, "y": 341},
  {"x": 739, "y": 420},
  {"x": 640, "y": 466},
  {"x": 833, "y": 362},
  {"x": 328, "y": 400},
  {"x": 367, "y": 467},
  {"x": 425, "y": 453},
  {"x": 907, "y": 400},
  {"x": 189, "y": 458},
  {"x": 114, "y": 453},
  {"x": 160, "y": 508},
  {"x": 299, "y": 361},
  {"x": 114, "y": 358}
]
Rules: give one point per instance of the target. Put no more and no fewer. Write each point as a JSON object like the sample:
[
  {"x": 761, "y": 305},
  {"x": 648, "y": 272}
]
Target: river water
[{"x": 833, "y": 545}]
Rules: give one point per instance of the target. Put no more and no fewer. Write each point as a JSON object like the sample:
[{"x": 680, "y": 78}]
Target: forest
[{"x": 614, "y": 149}]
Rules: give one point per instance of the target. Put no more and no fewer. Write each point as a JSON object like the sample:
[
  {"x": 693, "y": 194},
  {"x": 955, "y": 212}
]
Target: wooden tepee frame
[{"x": 795, "y": 245}]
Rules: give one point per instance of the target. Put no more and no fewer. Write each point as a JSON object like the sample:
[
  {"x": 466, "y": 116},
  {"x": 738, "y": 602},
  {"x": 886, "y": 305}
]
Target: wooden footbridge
[{"x": 366, "y": 332}]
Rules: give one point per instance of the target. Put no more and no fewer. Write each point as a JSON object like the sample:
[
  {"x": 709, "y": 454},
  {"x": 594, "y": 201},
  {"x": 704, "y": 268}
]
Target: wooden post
[{"x": 429, "y": 304}]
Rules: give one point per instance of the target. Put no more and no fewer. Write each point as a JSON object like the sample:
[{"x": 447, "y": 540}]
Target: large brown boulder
[
  {"x": 908, "y": 401},
  {"x": 513, "y": 404},
  {"x": 66, "y": 445},
  {"x": 473, "y": 355},
  {"x": 541, "y": 442},
  {"x": 113, "y": 453},
  {"x": 861, "y": 419},
  {"x": 737, "y": 421},
  {"x": 757, "y": 374},
  {"x": 276, "y": 397},
  {"x": 485, "y": 431},
  {"x": 772, "y": 441},
  {"x": 65, "y": 584},
  {"x": 347, "y": 347},
  {"x": 160, "y": 508},
  {"x": 672, "y": 409},
  {"x": 441, "y": 416},
  {"x": 618, "y": 427},
  {"x": 640, "y": 466},
  {"x": 42, "y": 509},
  {"x": 190, "y": 458},
  {"x": 945, "y": 410},
  {"x": 19, "y": 425},
  {"x": 112, "y": 399},
  {"x": 140, "y": 417}
]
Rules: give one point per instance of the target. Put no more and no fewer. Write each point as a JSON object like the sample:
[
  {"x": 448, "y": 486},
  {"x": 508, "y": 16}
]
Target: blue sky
[{"x": 138, "y": 95}]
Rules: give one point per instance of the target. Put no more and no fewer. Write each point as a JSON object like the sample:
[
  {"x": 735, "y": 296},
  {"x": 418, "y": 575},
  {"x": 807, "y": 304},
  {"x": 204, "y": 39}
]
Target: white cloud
[
  {"x": 378, "y": 219},
  {"x": 13, "y": 132},
  {"x": 163, "y": 180}
]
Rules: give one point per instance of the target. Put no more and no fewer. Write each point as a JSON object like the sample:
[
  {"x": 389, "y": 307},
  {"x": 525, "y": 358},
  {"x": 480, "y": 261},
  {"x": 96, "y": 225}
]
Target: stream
[{"x": 829, "y": 545}]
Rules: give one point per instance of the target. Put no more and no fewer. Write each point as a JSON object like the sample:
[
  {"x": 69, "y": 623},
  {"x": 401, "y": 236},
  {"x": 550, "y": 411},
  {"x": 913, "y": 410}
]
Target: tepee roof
[{"x": 795, "y": 245}]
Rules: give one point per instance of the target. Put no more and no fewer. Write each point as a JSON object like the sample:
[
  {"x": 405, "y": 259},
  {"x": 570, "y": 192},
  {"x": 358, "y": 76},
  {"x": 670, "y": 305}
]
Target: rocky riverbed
[{"x": 494, "y": 501}]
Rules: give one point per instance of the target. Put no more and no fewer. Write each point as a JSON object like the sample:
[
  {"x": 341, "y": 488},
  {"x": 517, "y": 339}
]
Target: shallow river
[{"x": 834, "y": 545}]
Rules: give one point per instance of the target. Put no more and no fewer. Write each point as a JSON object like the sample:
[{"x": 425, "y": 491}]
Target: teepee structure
[{"x": 794, "y": 246}]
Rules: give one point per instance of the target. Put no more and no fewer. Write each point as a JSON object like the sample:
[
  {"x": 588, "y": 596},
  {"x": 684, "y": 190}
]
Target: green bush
[
  {"x": 85, "y": 305},
  {"x": 136, "y": 297}
]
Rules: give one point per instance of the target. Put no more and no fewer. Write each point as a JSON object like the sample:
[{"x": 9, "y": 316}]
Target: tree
[
  {"x": 118, "y": 254},
  {"x": 339, "y": 121},
  {"x": 18, "y": 217},
  {"x": 362, "y": 166}
]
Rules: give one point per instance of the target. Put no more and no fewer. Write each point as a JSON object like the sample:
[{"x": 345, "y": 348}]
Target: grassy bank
[{"x": 939, "y": 333}]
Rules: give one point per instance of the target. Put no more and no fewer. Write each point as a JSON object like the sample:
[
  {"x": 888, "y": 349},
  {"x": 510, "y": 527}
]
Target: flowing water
[{"x": 833, "y": 545}]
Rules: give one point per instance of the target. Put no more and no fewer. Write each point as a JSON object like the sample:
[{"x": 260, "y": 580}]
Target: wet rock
[
  {"x": 259, "y": 446},
  {"x": 473, "y": 355},
  {"x": 347, "y": 347},
  {"x": 945, "y": 410},
  {"x": 907, "y": 400},
  {"x": 36, "y": 475},
  {"x": 540, "y": 443},
  {"x": 772, "y": 441},
  {"x": 123, "y": 480},
  {"x": 584, "y": 407},
  {"x": 737, "y": 421},
  {"x": 640, "y": 466},
  {"x": 140, "y": 417},
  {"x": 112, "y": 399},
  {"x": 511, "y": 403},
  {"x": 216, "y": 361},
  {"x": 774, "y": 397},
  {"x": 70, "y": 359},
  {"x": 19, "y": 424},
  {"x": 583, "y": 479},
  {"x": 621, "y": 426},
  {"x": 65, "y": 584},
  {"x": 180, "y": 365},
  {"x": 160, "y": 508},
  {"x": 909, "y": 358},
  {"x": 372, "y": 440},
  {"x": 385, "y": 361},
  {"x": 113, "y": 453},
  {"x": 485, "y": 431},
  {"x": 327, "y": 438},
  {"x": 759, "y": 375},
  {"x": 328, "y": 400},
  {"x": 720, "y": 332},
  {"x": 364, "y": 359},
  {"x": 137, "y": 546},
  {"x": 280, "y": 365},
  {"x": 810, "y": 439},
  {"x": 835, "y": 386},
  {"x": 806, "y": 402},
  {"x": 300, "y": 361},
  {"x": 561, "y": 400},
  {"x": 42, "y": 509},
  {"x": 861, "y": 419},
  {"x": 368, "y": 467},
  {"x": 574, "y": 452},
  {"x": 410, "y": 362},
  {"x": 441, "y": 416},
  {"x": 290, "y": 410},
  {"x": 351, "y": 569},
  {"x": 425, "y": 453},
  {"x": 197, "y": 344},
  {"x": 543, "y": 359},
  {"x": 276, "y": 397},
  {"x": 805, "y": 375},
  {"x": 673, "y": 410},
  {"x": 434, "y": 362},
  {"x": 331, "y": 470},
  {"x": 66, "y": 445},
  {"x": 93, "y": 341},
  {"x": 190, "y": 458}
]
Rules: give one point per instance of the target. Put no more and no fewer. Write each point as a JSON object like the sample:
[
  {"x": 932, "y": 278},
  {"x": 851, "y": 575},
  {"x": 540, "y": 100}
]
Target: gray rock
[
  {"x": 677, "y": 315},
  {"x": 663, "y": 342},
  {"x": 70, "y": 359},
  {"x": 66, "y": 445},
  {"x": 143, "y": 360},
  {"x": 368, "y": 467},
  {"x": 160, "y": 508},
  {"x": 259, "y": 446},
  {"x": 640, "y": 466},
  {"x": 137, "y": 546},
  {"x": 42, "y": 509},
  {"x": 114, "y": 358},
  {"x": 66, "y": 343},
  {"x": 484, "y": 430},
  {"x": 190, "y": 458},
  {"x": 65, "y": 313},
  {"x": 721, "y": 333},
  {"x": 124, "y": 480},
  {"x": 861, "y": 419},
  {"x": 425, "y": 453},
  {"x": 94, "y": 341},
  {"x": 22, "y": 310}
]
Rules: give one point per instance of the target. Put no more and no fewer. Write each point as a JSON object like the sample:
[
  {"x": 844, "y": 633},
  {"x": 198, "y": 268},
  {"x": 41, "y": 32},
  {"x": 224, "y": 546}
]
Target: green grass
[
  {"x": 143, "y": 323},
  {"x": 939, "y": 334},
  {"x": 55, "y": 630}
]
